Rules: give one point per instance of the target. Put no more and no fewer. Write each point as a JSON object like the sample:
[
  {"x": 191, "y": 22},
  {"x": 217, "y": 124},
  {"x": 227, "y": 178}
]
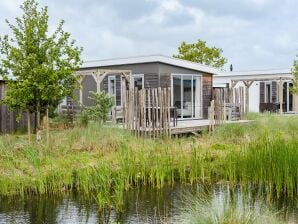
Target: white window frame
[
  {"x": 201, "y": 93},
  {"x": 265, "y": 92}
]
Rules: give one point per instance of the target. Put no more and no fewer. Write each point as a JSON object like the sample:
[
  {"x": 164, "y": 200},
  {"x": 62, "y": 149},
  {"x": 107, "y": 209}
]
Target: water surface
[{"x": 143, "y": 205}]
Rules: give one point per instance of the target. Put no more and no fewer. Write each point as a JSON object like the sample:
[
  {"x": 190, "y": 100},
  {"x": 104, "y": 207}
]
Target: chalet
[
  {"x": 8, "y": 119},
  {"x": 190, "y": 83},
  {"x": 269, "y": 90}
]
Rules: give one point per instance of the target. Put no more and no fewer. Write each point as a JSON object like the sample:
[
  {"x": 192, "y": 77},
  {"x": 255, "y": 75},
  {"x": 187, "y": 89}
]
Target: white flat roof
[
  {"x": 255, "y": 72},
  {"x": 149, "y": 59}
]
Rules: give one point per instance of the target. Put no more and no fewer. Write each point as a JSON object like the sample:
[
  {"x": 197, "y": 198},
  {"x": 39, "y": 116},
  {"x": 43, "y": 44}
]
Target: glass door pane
[
  {"x": 290, "y": 97},
  {"x": 187, "y": 96},
  {"x": 177, "y": 94}
]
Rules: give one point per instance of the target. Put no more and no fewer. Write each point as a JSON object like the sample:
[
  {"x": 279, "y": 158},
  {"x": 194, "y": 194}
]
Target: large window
[
  {"x": 287, "y": 96},
  {"x": 186, "y": 95}
]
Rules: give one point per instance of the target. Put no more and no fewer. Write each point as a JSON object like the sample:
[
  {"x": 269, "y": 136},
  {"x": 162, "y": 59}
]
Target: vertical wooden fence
[
  {"x": 227, "y": 104},
  {"x": 147, "y": 111}
]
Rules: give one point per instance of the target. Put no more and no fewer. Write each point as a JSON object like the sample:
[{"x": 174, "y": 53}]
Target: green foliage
[
  {"x": 295, "y": 73},
  {"x": 271, "y": 163},
  {"x": 199, "y": 52},
  {"x": 104, "y": 162},
  {"x": 223, "y": 209},
  {"x": 103, "y": 104},
  {"x": 37, "y": 65}
]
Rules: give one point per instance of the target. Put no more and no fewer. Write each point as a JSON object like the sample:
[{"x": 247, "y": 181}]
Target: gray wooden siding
[
  {"x": 274, "y": 92},
  {"x": 143, "y": 68},
  {"x": 8, "y": 119},
  {"x": 151, "y": 80},
  {"x": 262, "y": 92},
  {"x": 165, "y": 80},
  {"x": 207, "y": 93},
  {"x": 118, "y": 90},
  {"x": 165, "y": 68},
  {"x": 89, "y": 84}
]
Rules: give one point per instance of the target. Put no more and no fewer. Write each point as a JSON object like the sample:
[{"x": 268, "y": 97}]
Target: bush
[{"x": 103, "y": 104}]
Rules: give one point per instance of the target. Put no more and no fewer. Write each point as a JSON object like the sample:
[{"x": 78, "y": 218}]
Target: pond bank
[{"x": 106, "y": 162}]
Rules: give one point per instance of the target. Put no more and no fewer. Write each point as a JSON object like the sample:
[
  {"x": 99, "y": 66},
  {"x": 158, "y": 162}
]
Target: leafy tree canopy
[
  {"x": 199, "y": 52},
  {"x": 40, "y": 63}
]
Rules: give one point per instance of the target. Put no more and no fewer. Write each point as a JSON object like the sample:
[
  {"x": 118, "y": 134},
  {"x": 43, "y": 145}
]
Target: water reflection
[{"x": 140, "y": 206}]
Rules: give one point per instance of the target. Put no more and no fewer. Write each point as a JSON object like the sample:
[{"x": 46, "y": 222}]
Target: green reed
[
  {"x": 104, "y": 162},
  {"x": 270, "y": 162}
]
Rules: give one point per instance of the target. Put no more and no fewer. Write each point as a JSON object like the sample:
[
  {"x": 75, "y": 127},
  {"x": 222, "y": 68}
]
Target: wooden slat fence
[
  {"x": 227, "y": 104},
  {"x": 147, "y": 111}
]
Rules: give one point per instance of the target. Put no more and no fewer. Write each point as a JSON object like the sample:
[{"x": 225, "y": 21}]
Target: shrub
[{"x": 103, "y": 104}]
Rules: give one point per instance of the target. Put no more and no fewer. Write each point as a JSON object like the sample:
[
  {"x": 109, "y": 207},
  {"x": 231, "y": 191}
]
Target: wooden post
[
  {"x": 81, "y": 78},
  {"x": 280, "y": 96},
  {"x": 247, "y": 86},
  {"x": 153, "y": 112},
  {"x": 246, "y": 99},
  {"x": 159, "y": 110},
  {"x": 149, "y": 107},
  {"x": 169, "y": 111}
]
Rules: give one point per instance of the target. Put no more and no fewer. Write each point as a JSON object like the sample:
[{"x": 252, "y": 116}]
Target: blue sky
[{"x": 254, "y": 34}]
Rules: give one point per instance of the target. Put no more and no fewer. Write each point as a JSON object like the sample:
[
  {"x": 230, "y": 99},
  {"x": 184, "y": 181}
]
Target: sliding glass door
[
  {"x": 186, "y": 95},
  {"x": 287, "y": 96}
]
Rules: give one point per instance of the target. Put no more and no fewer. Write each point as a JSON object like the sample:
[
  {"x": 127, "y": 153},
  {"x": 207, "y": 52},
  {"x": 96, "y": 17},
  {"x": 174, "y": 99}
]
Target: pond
[{"x": 178, "y": 204}]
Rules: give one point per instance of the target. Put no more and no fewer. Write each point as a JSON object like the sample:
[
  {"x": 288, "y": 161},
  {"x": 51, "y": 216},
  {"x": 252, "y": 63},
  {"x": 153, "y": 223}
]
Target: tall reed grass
[
  {"x": 268, "y": 162},
  {"x": 104, "y": 162}
]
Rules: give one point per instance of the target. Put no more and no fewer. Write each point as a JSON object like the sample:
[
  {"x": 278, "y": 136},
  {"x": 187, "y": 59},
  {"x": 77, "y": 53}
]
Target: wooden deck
[{"x": 190, "y": 126}]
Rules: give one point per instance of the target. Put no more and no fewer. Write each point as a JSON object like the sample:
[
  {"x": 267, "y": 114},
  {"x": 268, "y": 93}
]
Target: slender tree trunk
[
  {"x": 48, "y": 127},
  {"x": 38, "y": 114},
  {"x": 29, "y": 126}
]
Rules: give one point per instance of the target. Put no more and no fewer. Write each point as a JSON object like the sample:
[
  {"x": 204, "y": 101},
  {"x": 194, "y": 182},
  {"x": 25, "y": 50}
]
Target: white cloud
[{"x": 252, "y": 33}]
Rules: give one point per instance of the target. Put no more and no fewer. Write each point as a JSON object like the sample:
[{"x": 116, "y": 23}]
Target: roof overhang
[
  {"x": 150, "y": 59},
  {"x": 273, "y": 72}
]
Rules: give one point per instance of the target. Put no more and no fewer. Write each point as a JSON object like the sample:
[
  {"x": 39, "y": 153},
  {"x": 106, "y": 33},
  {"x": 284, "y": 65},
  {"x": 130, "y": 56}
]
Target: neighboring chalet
[
  {"x": 268, "y": 89},
  {"x": 8, "y": 119},
  {"x": 190, "y": 83}
]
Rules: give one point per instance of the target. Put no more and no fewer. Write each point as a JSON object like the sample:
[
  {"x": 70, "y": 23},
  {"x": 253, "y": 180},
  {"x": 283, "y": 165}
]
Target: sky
[{"x": 253, "y": 34}]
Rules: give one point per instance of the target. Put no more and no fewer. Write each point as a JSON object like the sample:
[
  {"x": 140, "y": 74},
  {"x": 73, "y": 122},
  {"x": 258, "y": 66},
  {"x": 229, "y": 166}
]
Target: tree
[
  {"x": 199, "y": 52},
  {"x": 103, "y": 104},
  {"x": 295, "y": 73},
  {"x": 37, "y": 66}
]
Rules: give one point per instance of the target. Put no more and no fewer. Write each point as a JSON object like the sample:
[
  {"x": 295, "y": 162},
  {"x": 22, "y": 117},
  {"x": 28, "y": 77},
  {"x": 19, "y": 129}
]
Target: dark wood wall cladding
[
  {"x": 207, "y": 93},
  {"x": 165, "y": 80},
  {"x": 8, "y": 119},
  {"x": 89, "y": 84},
  {"x": 151, "y": 80},
  {"x": 274, "y": 92},
  {"x": 262, "y": 92},
  {"x": 118, "y": 90},
  {"x": 105, "y": 86}
]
